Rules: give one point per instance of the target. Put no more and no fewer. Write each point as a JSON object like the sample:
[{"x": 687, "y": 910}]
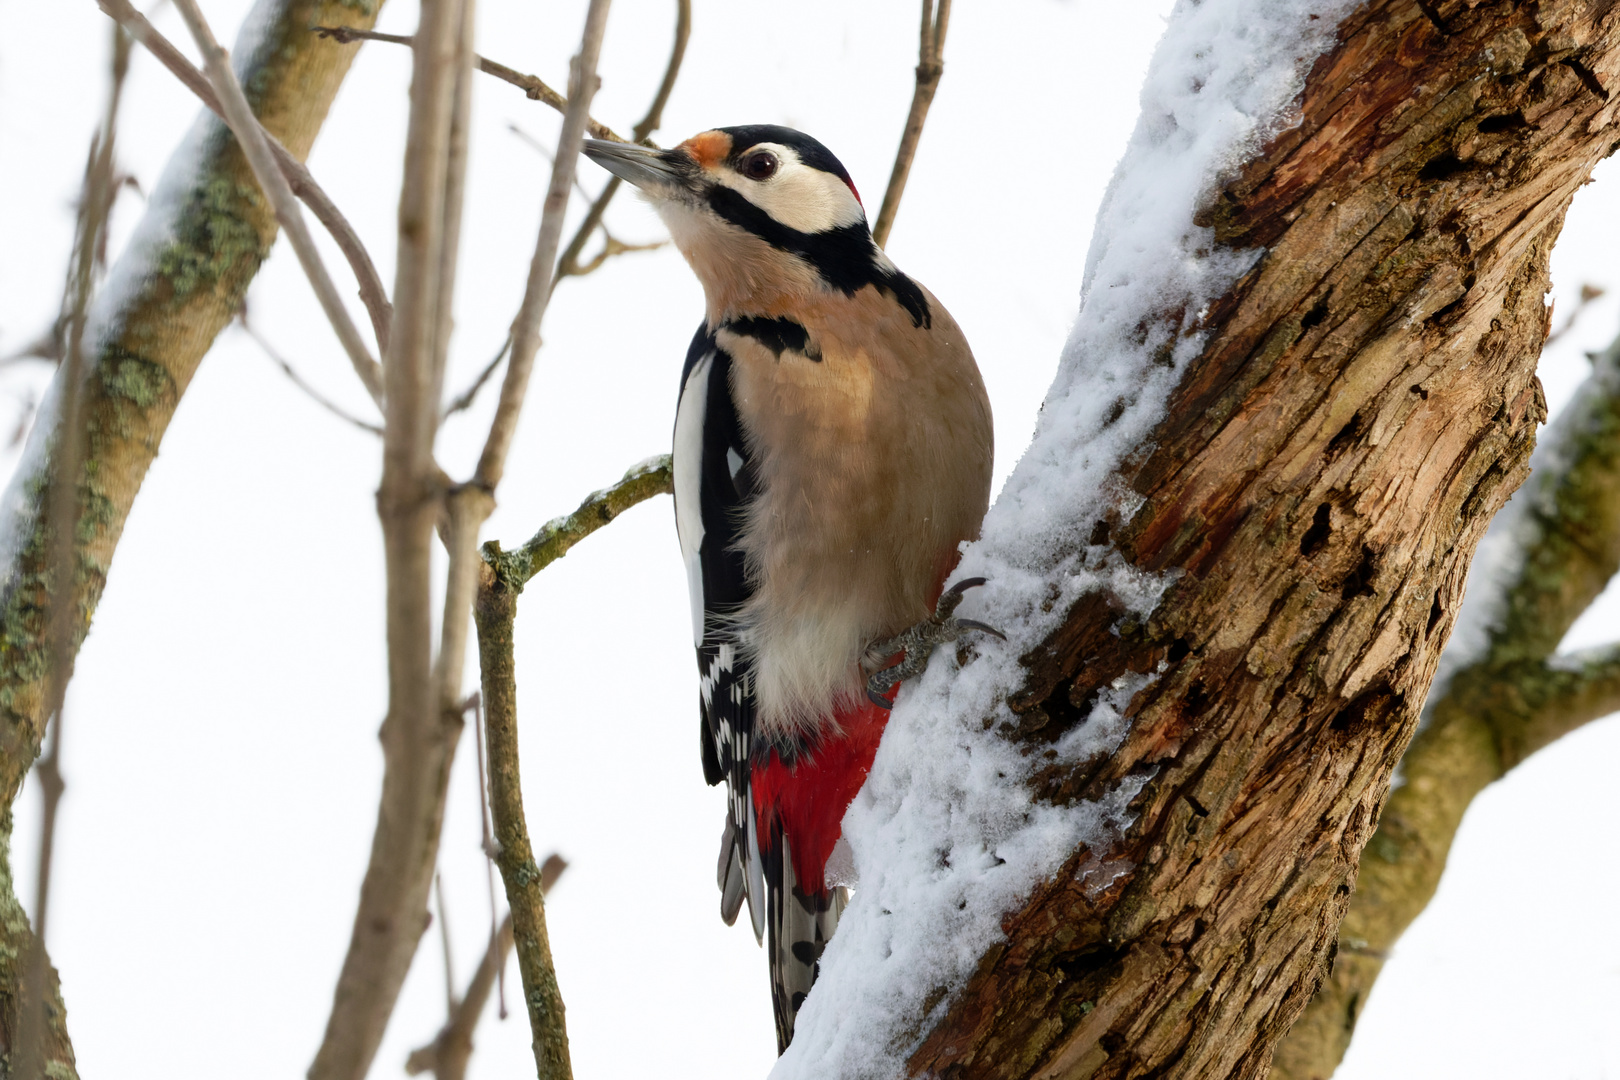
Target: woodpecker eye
[{"x": 761, "y": 166}]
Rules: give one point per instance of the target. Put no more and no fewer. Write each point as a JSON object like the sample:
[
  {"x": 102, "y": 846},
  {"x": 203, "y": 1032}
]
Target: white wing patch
[{"x": 689, "y": 416}]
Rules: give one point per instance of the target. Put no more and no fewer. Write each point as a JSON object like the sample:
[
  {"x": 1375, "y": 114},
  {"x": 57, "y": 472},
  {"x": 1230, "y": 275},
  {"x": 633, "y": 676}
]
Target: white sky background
[{"x": 220, "y": 743}]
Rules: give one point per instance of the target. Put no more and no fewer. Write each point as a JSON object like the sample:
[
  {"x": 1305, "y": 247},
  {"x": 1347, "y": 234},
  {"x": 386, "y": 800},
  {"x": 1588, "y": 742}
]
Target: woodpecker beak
[{"x": 653, "y": 171}]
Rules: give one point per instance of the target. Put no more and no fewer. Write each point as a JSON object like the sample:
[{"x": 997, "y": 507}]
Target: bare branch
[
  {"x": 526, "y": 326},
  {"x": 1565, "y": 694},
  {"x": 557, "y": 536},
  {"x": 532, "y": 85},
  {"x": 655, "y": 112},
  {"x": 525, "y": 895},
  {"x": 418, "y": 734},
  {"x": 611, "y": 246},
  {"x": 370, "y": 286},
  {"x": 303, "y": 184},
  {"x": 455, "y": 185},
  {"x": 501, "y": 578},
  {"x": 569, "y": 265},
  {"x": 255, "y": 145},
  {"x": 464, "y": 400},
  {"x": 34, "y": 1049},
  {"x": 930, "y": 66},
  {"x": 450, "y": 1001},
  {"x": 446, "y": 1056},
  {"x": 551, "y": 159},
  {"x": 487, "y": 836},
  {"x": 178, "y": 298},
  {"x": 298, "y": 380}
]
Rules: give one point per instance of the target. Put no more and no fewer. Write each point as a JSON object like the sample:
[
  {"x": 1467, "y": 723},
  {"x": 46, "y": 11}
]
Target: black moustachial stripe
[
  {"x": 778, "y": 335},
  {"x": 845, "y": 257}
]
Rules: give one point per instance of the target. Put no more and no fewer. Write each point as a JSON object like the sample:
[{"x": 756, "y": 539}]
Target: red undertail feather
[
  {"x": 800, "y": 811},
  {"x": 810, "y": 796}
]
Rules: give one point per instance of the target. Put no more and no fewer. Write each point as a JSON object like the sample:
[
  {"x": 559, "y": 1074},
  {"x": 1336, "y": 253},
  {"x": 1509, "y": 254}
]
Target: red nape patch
[
  {"x": 810, "y": 796},
  {"x": 851, "y": 185}
]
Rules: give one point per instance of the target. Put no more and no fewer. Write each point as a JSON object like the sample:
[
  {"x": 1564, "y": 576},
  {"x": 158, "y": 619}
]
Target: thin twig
[
  {"x": 526, "y": 326},
  {"x": 464, "y": 400},
  {"x": 450, "y": 1001},
  {"x": 930, "y": 66},
  {"x": 611, "y": 246},
  {"x": 502, "y": 577},
  {"x": 298, "y": 380},
  {"x": 532, "y": 85},
  {"x": 446, "y": 1056},
  {"x": 487, "y": 836},
  {"x": 551, "y": 159},
  {"x": 557, "y": 536},
  {"x": 33, "y": 1045},
  {"x": 569, "y": 264},
  {"x": 654, "y": 117},
  {"x": 255, "y": 143},
  {"x": 303, "y": 184}
]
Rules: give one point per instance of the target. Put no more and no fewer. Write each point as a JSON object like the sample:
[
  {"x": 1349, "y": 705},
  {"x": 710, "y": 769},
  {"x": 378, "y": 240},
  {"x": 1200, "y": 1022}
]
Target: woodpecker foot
[{"x": 918, "y": 642}]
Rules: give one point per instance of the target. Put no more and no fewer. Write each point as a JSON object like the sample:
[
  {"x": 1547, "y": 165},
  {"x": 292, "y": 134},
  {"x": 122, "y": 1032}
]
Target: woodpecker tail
[
  {"x": 740, "y": 871},
  {"x": 798, "y": 925}
]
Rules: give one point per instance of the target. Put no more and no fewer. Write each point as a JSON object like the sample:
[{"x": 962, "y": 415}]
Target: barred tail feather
[{"x": 799, "y": 926}]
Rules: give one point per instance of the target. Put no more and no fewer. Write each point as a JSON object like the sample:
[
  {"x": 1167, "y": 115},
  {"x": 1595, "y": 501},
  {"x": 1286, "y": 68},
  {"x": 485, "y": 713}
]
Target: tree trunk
[
  {"x": 167, "y": 297},
  {"x": 1364, "y": 402},
  {"x": 1555, "y": 549}
]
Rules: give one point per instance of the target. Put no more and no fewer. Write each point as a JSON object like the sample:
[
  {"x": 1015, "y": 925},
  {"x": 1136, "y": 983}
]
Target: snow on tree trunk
[{"x": 1301, "y": 382}]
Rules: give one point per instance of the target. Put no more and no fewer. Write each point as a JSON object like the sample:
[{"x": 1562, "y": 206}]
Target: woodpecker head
[{"x": 764, "y": 214}]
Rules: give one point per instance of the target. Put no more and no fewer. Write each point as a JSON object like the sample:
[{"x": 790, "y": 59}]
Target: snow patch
[
  {"x": 945, "y": 837},
  {"x": 131, "y": 272}
]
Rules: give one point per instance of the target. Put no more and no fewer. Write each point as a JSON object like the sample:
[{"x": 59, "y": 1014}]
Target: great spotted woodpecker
[{"x": 832, "y": 452}]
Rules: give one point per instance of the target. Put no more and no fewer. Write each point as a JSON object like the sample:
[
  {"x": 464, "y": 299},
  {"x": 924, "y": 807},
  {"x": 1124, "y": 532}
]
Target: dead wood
[
  {"x": 1365, "y": 401},
  {"x": 1509, "y": 699}
]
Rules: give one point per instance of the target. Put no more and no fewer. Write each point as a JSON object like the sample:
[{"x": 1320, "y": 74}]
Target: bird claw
[{"x": 918, "y": 642}]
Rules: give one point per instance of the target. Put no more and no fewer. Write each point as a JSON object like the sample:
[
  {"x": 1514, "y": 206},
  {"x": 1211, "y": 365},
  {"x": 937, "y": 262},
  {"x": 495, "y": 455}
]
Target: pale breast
[{"x": 875, "y": 461}]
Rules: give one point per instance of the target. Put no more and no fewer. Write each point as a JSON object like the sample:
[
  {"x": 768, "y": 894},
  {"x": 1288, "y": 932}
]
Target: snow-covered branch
[{"x": 178, "y": 282}]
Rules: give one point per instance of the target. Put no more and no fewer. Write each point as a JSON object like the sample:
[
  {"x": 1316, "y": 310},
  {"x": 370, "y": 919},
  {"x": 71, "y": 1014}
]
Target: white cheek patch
[{"x": 802, "y": 198}]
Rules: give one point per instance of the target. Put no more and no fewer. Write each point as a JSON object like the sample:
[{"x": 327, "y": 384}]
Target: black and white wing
[{"x": 713, "y": 482}]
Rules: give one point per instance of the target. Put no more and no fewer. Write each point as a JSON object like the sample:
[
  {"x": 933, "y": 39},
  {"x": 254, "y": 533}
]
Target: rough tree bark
[
  {"x": 1365, "y": 401},
  {"x": 163, "y": 309},
  {"x": 1507, "y": 700}
]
